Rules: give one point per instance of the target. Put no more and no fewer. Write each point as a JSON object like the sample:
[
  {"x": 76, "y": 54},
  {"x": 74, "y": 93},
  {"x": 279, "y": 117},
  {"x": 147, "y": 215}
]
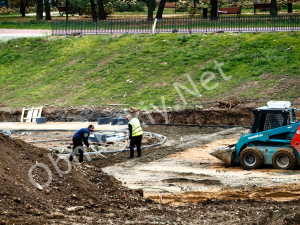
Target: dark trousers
[
  {"x": 77, "y": 145},
  {"x": 136, "y": 141}
]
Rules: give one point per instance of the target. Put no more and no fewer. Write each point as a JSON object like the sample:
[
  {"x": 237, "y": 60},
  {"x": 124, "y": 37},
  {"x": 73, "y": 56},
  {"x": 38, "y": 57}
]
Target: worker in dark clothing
[
  {"x": 135, "y": 135},
  {"x": 81, "y": 135}
]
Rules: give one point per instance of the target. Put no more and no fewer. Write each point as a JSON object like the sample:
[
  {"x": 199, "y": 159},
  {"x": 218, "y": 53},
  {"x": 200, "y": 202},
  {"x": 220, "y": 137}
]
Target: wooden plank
[
  {"x": 22, "y": 116},
  {"x": 29, "y": 115}
]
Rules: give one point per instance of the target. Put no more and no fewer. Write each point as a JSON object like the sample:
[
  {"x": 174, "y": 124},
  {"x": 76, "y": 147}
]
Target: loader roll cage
[{"x": 266, "y": 119}]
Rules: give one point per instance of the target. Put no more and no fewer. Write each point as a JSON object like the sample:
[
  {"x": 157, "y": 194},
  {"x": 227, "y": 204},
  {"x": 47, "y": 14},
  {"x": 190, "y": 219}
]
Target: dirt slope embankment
[
  {"x": 238, "y": 117},
  {"x": 214, "y": 114}
]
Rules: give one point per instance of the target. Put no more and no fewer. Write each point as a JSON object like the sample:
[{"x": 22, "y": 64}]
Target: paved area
[{"x": 8, "y": 34}]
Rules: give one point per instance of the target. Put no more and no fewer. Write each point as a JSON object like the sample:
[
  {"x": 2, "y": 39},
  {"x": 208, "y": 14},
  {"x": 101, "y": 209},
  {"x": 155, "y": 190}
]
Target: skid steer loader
[{"x": 274, "y": 139}]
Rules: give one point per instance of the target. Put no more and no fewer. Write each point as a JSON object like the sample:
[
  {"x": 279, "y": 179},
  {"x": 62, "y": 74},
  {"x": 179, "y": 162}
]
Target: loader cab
[{"x": 272, "y": 116}]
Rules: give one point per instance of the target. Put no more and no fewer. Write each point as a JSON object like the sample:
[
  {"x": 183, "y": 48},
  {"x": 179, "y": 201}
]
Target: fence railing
[{"x": 180, "y": 25}]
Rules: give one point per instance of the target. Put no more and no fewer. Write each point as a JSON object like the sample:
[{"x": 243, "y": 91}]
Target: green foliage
[
  {"x": 85, "y": 6},
  {"x": 9, "y": 11},
  {"x": 182, "y": 6},
  {"x": 296, "y": 5},
  {"x": 27, "y": 24},
  {"x": 130, "y": 69},
  {"x": 16, "y": 10},
  {"x": 128, "y": 5}
]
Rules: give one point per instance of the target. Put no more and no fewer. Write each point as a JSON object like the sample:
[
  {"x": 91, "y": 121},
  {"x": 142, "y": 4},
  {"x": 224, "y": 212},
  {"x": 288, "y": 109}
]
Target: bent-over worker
[
  {"x": 81, "y": 135},
  {"x": 135, "y": 135}
]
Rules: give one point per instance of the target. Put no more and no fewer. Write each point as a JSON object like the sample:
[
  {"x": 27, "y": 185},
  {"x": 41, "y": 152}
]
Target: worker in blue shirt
[{"x": 81, "y": 135}]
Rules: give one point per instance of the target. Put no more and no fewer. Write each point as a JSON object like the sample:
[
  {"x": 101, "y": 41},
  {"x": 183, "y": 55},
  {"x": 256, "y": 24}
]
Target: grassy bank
[
  {"x": 141, "y": 69},
  {"x": 24, "y": 23}
]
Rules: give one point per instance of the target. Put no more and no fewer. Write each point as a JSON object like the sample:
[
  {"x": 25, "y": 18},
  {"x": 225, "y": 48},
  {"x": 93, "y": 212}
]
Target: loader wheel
[
  {"x": 284, "y": 159},
  {"x": 251, "y": 158}
]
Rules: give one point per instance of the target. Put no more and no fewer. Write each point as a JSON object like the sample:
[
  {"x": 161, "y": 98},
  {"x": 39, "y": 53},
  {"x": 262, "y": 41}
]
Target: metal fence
[{"x": 180, "y": 25}]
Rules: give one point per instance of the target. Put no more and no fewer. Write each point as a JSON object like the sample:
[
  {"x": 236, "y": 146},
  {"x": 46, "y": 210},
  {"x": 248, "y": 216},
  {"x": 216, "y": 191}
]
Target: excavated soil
[
  {"x": 206, "y": 192},
  {"x": 231, "y": 113},
  {"x": 87, "y": 195}
]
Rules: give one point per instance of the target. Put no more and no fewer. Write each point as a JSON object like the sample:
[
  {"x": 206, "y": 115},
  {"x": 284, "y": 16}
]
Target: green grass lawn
[
  {"x": 18, "y": 22},
  {"x": 140, "y": 70}
]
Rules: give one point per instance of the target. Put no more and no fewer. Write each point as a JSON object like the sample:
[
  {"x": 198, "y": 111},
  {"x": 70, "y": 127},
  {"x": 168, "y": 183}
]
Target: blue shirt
[{"x": 83, "y": 135}]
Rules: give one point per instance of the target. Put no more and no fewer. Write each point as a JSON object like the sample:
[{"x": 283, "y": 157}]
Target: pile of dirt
[
  {"x": 87, "y": 195},
  {"x": 82, "y": 188}
]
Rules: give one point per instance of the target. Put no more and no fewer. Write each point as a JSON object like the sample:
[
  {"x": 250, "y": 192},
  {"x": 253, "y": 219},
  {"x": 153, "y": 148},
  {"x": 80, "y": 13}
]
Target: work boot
[{"x": 129, "y": 157}]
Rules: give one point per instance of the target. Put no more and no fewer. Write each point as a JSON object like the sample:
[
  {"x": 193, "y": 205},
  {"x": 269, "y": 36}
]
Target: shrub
[
  {"x": 128, "y": 6},
  {"x": 282, "y": 4},
  {"x": 8, "y": 11},
  {"x": 86, "y": 6},
  {"x": 188, "y": 6},
  {"x": 182, "y": 6},
  {"x": 296, "y": 5}
]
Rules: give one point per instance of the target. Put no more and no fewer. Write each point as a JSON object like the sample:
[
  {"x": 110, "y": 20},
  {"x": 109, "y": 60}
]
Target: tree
[
  {"x": 23, "y": 7},
  {"x": 150, "y": 9},
  {"x": 54, "y": 3},
  {"x": 47, "y": 9},
  {"x": 7, "y": 3},
  {"x": 39, "y": 9},
  {"x": 93, "y": 7},
  {"x": 102, "y": 15},
  {"x": 273, "y": 9},
  {"x": 161, "y": 8},
  {"x": 214, "y": 8}
]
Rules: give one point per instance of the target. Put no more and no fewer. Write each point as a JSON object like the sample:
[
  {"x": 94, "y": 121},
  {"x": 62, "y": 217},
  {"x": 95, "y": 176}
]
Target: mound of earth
[
  {"x": 86, "y": 195},
  {"x": 72, "y": 193}
]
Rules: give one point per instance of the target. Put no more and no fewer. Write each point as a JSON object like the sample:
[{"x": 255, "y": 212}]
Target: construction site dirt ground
[{"x": 176, "y": 183}]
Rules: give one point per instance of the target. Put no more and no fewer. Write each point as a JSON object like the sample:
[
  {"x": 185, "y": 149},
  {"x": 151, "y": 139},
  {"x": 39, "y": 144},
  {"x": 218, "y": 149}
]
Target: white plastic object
[{"x": 278, "y": 104}]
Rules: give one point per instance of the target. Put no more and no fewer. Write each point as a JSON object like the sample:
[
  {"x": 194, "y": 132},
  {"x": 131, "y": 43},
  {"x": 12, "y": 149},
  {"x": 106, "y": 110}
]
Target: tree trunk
[
  {"x": 39, "y": 10},
  {"x": 22, "y": 8},
  {"x": 150, "y": 9},
  {"x": 102, "y": 15},
  {"x": 7, "y": 3},
  {"x": 273, "y": 10},
  {"x": 161, "y": 8},
  {"x": 93, "y": 7},
  {"x": 214, "y": 8},
  {"x": 54, "y": 3},
  {"x": 47, "y": 9}
]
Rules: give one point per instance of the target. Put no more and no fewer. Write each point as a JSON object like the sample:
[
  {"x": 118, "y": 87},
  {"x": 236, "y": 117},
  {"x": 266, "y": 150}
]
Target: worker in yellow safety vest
[{"x": 135, "y": 135}]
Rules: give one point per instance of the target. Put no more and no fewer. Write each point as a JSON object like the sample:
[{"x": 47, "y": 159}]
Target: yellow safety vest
[{"x": 136, "y": 127}]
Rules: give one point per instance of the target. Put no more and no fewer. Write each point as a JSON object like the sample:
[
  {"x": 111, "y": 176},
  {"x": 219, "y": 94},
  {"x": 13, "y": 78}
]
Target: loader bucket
[{"x": 225, "y": 153}]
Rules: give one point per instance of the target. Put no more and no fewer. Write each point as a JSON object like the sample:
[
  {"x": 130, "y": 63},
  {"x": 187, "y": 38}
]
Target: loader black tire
[
  {"x": 284, "y": 159},
  {"x": 251, "y": 158}
]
